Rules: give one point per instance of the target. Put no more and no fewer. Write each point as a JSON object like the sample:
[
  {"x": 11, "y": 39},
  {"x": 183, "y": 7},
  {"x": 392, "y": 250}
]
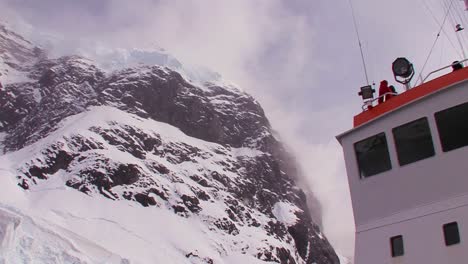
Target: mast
[
  {"x": 359, "y": 41},
  {"x": 457, "y": 32}
]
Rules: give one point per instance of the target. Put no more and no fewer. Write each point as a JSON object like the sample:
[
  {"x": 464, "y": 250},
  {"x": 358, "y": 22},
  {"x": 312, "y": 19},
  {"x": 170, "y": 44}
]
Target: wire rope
[
  {"x": 458, "y": 19},
  {"x": 463, "y": 21},
  {"x": 455, "y": 49},
  {"x": 441, "y": 54},
  {"x": 460, "y": 13},
  {"x": 435, "y": 41},
  {"x": 454, "y": 21},
  {"x": 451, "y": 17},
  {"x": 359, "y": 40},
  {"x": 448, "y": 9}
]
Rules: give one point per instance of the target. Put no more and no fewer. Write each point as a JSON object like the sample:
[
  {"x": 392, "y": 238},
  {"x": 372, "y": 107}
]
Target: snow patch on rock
[
  {"x": 286, "y": 213},
  {"x": 247, "y": 152}
]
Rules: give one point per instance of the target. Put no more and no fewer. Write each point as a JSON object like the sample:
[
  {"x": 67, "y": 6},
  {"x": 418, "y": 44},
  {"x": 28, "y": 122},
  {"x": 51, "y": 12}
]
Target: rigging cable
[
  {"x": 435, "y": 41},
  {"x": 464, "y": 23},
  {"x": 359, "y": 40},
  {"x": 462, "y": 17},
  {"x": 453, "y": 19},
  {"x": 441, "y": 53},
  {"x": 439, "y": 24}
]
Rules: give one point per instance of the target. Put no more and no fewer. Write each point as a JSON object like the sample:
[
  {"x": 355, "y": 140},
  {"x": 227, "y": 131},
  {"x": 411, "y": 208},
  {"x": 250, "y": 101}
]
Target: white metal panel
[
  {"x": 426, "y": 181},
  {"x": 423, "y": 240}
]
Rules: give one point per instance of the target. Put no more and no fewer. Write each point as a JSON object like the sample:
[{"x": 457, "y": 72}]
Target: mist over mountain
[{"x": 136, "y": 158}]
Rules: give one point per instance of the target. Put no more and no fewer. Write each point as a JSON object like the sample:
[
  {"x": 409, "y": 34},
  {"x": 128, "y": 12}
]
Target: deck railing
[
  {"x": 443, "y": 68},
  {"x": 370, "y": 103}
]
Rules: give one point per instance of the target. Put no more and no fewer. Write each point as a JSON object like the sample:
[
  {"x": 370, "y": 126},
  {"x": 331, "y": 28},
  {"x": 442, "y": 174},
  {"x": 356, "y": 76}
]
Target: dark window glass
[
  {"x": 413, "y": 141},
  {"x": 372, "y": 155},
  {"x": 397, "y": 246},
  {"x": 451, "y": 234},
  {"x": 452, "y": 124}
]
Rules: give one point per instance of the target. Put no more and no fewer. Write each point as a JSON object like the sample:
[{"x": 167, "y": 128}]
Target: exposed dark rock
[
  {"x": 144, "y": 199},
  {"x": 161, "y": 169},
  {"x": 127, "y": 195},
  {"x": 203, "y": 182},
  {"x": 300, "y": 232},
  {"x": 56, "y": 161},
  {"x": 179, "y": 209},
  {"x": 276, "y": 229},
  {"x": 227, "y": 225},
  {"x": 24, "y": 184},
  {"x": 195, "y": 258},
  {"x": 125, "y": 174},
  {"x": 202, "y": 195},
  {"x": 284, "y": 256},
  {"x": 159, "y": 193},
  {"x": 192, "y": 203},
  {"x": 82, "y": 144}
]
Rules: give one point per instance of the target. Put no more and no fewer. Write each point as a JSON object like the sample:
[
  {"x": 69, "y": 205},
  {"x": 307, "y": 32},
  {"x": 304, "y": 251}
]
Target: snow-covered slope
[
  {"x": 140, "y": 165},
  {"x": 207, "y": 226}
]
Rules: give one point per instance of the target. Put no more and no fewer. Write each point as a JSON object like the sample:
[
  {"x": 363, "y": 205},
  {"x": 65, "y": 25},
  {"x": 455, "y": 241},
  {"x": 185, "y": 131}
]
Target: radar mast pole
[{"x": 359, "y": 41}]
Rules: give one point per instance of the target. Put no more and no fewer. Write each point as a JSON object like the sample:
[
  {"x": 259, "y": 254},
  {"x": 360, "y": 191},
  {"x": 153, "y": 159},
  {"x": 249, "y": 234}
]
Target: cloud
[
  {"x": 311, "y": 139},
  {"x": 238, "y": 38}
]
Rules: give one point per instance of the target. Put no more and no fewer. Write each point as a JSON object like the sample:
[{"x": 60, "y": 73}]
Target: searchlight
[{"x": 403, "y": 71}]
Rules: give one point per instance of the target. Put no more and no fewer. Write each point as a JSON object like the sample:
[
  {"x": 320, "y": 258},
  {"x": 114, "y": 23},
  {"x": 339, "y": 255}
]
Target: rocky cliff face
[{"x": 147, "y": 136}]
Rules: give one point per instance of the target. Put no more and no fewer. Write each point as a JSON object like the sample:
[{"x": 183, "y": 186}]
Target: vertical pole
[
  {"x": 461, "y": 45},
  {"x": 407, "y": 86},
  {"x": 359, "y": 41}
]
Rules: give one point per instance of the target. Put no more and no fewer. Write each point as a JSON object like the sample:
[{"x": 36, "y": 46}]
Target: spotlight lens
[{"x": 402, "y": 68}]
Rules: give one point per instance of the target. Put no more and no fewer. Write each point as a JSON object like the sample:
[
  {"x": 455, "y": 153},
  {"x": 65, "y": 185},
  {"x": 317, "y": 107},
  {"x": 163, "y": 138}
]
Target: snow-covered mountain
[{"x": 141, "y": 165}]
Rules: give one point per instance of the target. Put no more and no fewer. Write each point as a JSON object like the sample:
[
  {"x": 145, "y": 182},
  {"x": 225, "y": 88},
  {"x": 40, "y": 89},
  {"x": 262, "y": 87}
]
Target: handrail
[
  {"x": 443, "y": 68},
  {"x": 371, "y": 101}
]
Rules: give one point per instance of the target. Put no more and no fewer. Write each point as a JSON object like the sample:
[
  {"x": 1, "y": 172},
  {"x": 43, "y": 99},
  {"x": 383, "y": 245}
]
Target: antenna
[{"x": 359, "y": 41}]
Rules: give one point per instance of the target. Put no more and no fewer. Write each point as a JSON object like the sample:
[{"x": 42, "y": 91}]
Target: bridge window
[
  {"x": 396, "y": 243},
  {"x": 452, "y": 124},
  {"x": 413, "y": 141},
  {"x": 372, "y": 155}
]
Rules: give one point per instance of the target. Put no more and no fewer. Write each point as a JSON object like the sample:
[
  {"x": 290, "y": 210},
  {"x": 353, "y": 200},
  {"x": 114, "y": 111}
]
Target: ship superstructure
[{"x": 407, "y": 166}]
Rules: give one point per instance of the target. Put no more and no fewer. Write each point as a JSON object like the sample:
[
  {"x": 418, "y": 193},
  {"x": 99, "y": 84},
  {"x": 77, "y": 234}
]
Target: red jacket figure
[{"x": 383, "y": 89}]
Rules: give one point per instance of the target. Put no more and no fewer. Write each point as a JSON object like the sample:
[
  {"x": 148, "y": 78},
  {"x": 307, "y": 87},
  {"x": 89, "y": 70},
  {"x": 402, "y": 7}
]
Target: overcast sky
[{"x": 299, "y": 58}]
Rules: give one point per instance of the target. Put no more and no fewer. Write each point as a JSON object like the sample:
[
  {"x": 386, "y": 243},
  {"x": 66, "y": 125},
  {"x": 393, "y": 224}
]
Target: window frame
[
  {"x": 383, "y": 135},
  {"x": 398, "y": 149},
  {"x": 437, "y": 118}
]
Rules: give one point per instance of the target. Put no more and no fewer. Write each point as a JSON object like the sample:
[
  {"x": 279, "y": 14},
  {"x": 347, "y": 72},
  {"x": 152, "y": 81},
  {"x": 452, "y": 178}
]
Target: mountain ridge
[{"x": 146, "y": 136}]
